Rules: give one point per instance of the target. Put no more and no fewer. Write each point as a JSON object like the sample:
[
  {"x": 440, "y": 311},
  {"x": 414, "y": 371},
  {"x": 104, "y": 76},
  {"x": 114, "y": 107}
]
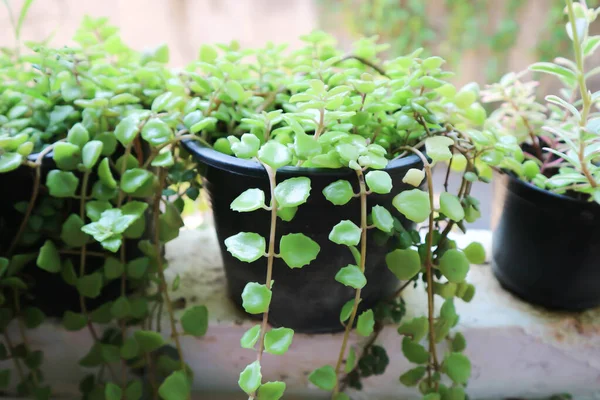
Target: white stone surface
[{"x": 517, "y": 350}]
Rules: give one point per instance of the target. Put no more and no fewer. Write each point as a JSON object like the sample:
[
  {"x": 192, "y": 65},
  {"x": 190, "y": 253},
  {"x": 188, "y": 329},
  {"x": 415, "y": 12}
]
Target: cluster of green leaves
[
  {"x": 102, "y": 122},
  {"x": 316, "y": 107},
  {"x": 562, "y": 138},
  {"x": 297, "y": 251}
]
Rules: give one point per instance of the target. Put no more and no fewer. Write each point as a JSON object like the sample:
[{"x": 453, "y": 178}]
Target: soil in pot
[
  {"x": 546, "y": 247},
  {"x": 306, "y": 299}
]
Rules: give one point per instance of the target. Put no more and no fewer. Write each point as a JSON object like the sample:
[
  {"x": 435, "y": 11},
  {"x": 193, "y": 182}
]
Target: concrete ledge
[{"x": 517, "y": 350}]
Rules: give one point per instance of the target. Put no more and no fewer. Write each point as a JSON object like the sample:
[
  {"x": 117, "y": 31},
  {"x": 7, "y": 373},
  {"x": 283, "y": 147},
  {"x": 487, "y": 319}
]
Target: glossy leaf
[
  {"x": 292, "y": 192},
  {"x": 148, "y": 340},
  {"x": 246, "y": 246},
  {"x": 351, "y": 276},
  {"x": 49, "y": 259},
  {"x": 61, "y": 183},
  {"x": 156, "y": 132},
  {"x": 274, "y": 154},
  {"x": 134, "y": 178},
  {"x": 475, "y": 253},
  {"x": 366, "y": 323},
  {"x": 245, "y": 147},
  {"x": 10, "y": 161},
  {"x": 416, "y": 328},
  {"x": 91, "y": 153},
  {"x": 105, "y": 174},
  {"x": 437, "y": 148},
  {"x": 90, "y": 285},
  {"x": 382, "y": 219},
  {"x": 413, "y": 204},
  {"x": 323, "y": 378},
  {"x": 339, "y": 192},
  {"x": 250, "y": 378},
  {"x": 278, "y": 340},
  {"x": 271, "y": 391},
  {"x": 379, "y": 181},
  {"x": 127, "y": 129},
  {"x": 414, "y": 177},
  {"x": 298, "y": 250},
  {"x": 256, "y": 298},
  {"x": 175, "y": 387},
  {"x": 250, "y": 200},
  {"x": 66, "y": 155},
  {"x": 71, "y": 233},
  {"x": 346, "y": 233},
  {"x": 451, "y": 207},
  {"x": 458, "y": 367},
  {"x": 413, "y": 351},
  {"x": 250, "y": 337}
]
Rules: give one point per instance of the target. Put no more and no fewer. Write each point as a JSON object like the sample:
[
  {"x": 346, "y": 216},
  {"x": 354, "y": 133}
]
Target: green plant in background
[
  {"x": 560, "y": 139},
  {"x": 465, "y": 26},
  {"x": 319, "y": 107},
  {"x": 96, "y": 125}
]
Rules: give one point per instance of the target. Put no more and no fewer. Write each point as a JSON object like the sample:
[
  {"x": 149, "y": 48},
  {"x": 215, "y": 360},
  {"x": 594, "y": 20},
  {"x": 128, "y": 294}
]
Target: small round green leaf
[
  {"x": 346, "y": 310},
  {"x": 156, "y": 132},
  {"x": 413, "y": 351},
  {"x": 274, "y": 154},
  {"x": 379, "y": 181},
  {"x": 112, "y": 392},
  {"x": 127, "y": 129},
  {"x": 350, "y": 360},
  {"x": 245, "y": 147},
  {"x": 413, "y": 204},
  {"x": 90, "y": 285},
  {"x": 451, "y": 207},
  {"x": 292, "y": 192},
  {"x": 250, "y": 337},
  {"x": 287, "y": 213},
  {"x": 366, "y": 323},
  {"x": 175, "y": 387},
  {"x": 195, "y": 321},
  {"x": 454, "y": 265},
  {"x": 458, "y": 367},
  {"x": 256, "y": 298},
  {"x": 61, "y": 183},
  {"x": 459, "y": 343},
  {"x": 91, "y": 153},
  {"x": 250, "y": 200},
  {"x": 339, "y": 192},
  {"x": 48, "y": 258},
  {"x": 71, "y": 232},
  {"x": 10, "y": 161},
  {"x": 134, "y": 178},
  {"x": 66, "y": 155},
  {"x": 475, "y": 253},
  {"x": 351, "y": 276},
  {"x": 414, "y": 177},
  {"x": 163, "y": 159},
  {"x": 105, "y": 174},
  {"x": 416, "y": 328},
  {"x": 78, "y": 135},
  {"x": 246, "y": 246},
  {"x": 455, "y": 393},
  {"x": 323, "y": 378},
  {"x": 413, "y": 376},
  {"x": 298, "y": 250},
  {"x": 148, "y": 340},
  {"x": 346, "y": 232},
  {"x": 382, "y": 219},
  {"x": 277, "y": 341},
  {"x": 405, "y": 264},
  {"x": 437, "y": 148},
  {"x": 250, "y": 378},
  {"x": 271, "y": 391}
]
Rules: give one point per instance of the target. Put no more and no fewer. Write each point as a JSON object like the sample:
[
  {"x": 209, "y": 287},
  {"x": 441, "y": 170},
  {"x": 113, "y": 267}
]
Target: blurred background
[{"x": 480, "y": 39}]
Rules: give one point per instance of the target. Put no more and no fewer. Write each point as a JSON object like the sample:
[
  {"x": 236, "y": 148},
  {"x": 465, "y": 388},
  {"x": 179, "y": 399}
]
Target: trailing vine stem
[
  {"x": 82, "y": 262},
  {"x": 363, "y": 259},
  {"x": 429, "y": 265},
  {"x": 270, "y": 258},
  {"x": 585, "y": 94},
  {"x": 161, "y": 272}
]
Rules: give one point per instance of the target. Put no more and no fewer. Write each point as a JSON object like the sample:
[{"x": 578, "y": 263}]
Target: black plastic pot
[
  {"x": 46, "y": 290},
  {"x": 546, "y": 247},
  {"x": 307, "y": 299}
]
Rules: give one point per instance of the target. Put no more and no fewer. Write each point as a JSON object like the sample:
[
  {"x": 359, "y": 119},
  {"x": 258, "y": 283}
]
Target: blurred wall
[{"x": 183, "y": 24}]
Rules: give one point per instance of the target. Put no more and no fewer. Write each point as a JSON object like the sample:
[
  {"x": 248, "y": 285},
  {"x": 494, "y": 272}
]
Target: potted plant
[
  {"x": 314, "y": 161},
  {"x": 87, "y": 158},
  {"x": 546, "y": 242}
]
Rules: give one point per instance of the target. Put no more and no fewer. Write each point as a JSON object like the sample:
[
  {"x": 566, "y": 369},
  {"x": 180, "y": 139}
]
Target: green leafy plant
[
  {"x": 96, "y": 127},
  {"x": 560, "y": 139},
  {"x": 319, "y": 107}
]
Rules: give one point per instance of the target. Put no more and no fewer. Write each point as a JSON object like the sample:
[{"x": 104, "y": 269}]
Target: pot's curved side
[
  {"x": 546, "y": 247},
  {"x": 307, "y": 299}
]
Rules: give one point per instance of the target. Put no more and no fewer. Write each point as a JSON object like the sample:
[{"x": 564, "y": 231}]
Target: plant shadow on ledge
[
  {"x": 89, "y": 165},
  {"x": 315, "y": 174},
  {"x": 546, "y": 245}
]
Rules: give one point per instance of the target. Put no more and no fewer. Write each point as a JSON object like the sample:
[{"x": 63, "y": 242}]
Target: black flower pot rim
[
  {"x": 216, "y": 159},
  {"x": 544, "y": 192}
]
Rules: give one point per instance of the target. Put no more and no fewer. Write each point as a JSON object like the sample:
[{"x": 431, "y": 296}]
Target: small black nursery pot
[
  {"x": 546, "y": 247},
  {"x": 308, "y": 299}
]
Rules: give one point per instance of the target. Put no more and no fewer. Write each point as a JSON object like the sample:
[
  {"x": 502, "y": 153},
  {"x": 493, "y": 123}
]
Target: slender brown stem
[
  {"x": 363, "y": 259},
  {"x": 270, "y": 258},
  {"x": 159, "y": 260},
  {"x": 429, "y": 265}
]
